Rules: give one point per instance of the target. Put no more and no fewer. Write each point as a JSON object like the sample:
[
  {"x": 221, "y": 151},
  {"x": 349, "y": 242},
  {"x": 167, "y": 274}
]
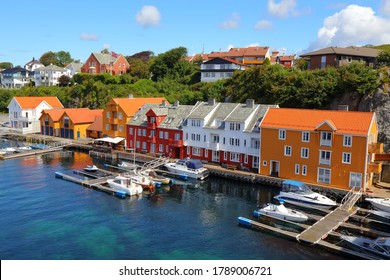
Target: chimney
[
  {"x": 211, "y": 101},
  {"x": 164, "y": 103},
  {"x": 342, "y": 108},
  {"x": 131, "y": 96},
  {"x": 176, "y": 103},
  {"x": 250, "y": 103}
]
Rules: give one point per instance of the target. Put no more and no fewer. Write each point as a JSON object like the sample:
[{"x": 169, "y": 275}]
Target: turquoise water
[{"x": 43, "y": 217}]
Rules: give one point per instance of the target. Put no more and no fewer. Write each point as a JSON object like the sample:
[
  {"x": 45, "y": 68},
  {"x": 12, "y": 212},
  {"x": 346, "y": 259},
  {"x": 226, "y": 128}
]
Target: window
[
  {"x": 235, "y": 157},
  {"x": 161, "y": 148},
  {"x": 255, "y": 162},
  {"x": 346, "y": 158},
  {"x": 355, "y": 180},
  {"x": 287, "y": 150},
  {"x": 215, "y": 138},
  {"x": 255, "y": 143},
  {"x": 234, "y": 142},
  {"x": 107, "y": 115},
  {"x": 144, "y": 145},
  {"x": 305, "y": 136},
  {"x": 347, "y": 141},
  {"x": 304, "y": 170},
  {"x": 196, "y": 151},
  {"x": 323, "y": 61},
  {"x": 325, "y": 157},
  {"x": 121, "y": 128},
  {"x": 120, "y": 115},
  {"x": 152, "y": 133},
  {"x": 323, "y": 175},
  {"x": 161, "y": 135},
  {"x": 326, "y": 138},
  {"x": 264, "y": 163},
  {"x": 138, "y": 144},
  {"x": 282, "y": 134},
  {"x": 225, "y": 155},
  {"x": 139, "y": 131},
  {"x": 297, "y": 169},
  {"x": 188, "y": 150},
  {"x": 166, "y": 134},
  {"x": 107, "y": 126},
  {"x": 304, "y": 153},
  {"x": 177, "y": 136},
  {"x": 131, "y": 131},
  {"x": 245, "y": 158}
]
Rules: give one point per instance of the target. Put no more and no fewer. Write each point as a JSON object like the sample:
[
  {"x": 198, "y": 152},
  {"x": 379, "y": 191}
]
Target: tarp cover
[{"x": 115, "y": 140}]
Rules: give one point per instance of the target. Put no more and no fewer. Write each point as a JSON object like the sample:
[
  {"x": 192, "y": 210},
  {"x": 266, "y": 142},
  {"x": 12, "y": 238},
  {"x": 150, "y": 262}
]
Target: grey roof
[
  {"x": 51, "y": 67},
  {"x": 76, "y": 66},
  {"x": 351, "y": 51},
  {"x": 105, "y": 58},
  {"x": 201, "y": 110},
  {"x": 258, "y": 116},
  {"x": 174, "y": 115},
  {"x": 221, "y": 112}
]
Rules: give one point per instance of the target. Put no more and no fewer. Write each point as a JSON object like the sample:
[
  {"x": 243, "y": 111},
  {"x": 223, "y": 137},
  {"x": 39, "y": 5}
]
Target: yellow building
[
  {"x": 68, "y": 123},
  {"x": 331, "y": 148},
  {"x": 120, "y": 110}
]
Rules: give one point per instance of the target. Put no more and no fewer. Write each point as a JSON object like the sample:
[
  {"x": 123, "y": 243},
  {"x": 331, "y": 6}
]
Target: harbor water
[{"x": 45, "y": 218}]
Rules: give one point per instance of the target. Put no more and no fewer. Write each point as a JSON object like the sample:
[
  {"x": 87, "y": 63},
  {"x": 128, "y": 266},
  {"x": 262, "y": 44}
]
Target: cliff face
[{"x": 378, "y": 103}]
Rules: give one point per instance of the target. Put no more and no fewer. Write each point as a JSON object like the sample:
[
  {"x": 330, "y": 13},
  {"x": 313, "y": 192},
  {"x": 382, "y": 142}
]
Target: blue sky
[{"x": 31, "y": 28}]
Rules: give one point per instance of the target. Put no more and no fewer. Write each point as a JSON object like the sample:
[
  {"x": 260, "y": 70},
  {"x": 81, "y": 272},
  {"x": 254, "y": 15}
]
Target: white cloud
[
  {"x": 385, "y": 7},
  {"x": 282, "y": 9},
  {"x": 354, "y": 25},
  {"x": 148, "y": 16},
  {"x": 89, "y": 37},
  {"x": 263, "y": 25},
  {"x": 232, "y": 23}
]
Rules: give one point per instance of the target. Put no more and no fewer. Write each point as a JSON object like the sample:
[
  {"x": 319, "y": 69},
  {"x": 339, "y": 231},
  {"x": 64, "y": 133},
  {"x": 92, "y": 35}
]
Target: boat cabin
[{"x": 295, "y": 187}]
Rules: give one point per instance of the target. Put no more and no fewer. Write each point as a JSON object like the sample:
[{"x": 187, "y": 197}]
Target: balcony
[
  {"x": 374, "y": 167},
  {"x": 325, "y": 161},
  {"x": 375, "y": 148},
  {"x": 382, "y": 157},
  {"x": 213, "y": 145}
]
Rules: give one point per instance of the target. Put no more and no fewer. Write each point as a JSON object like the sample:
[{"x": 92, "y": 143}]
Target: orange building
[
  {"x": 331, "y": 148},
  {"x": 120, "y": 110},
  {"x": 68, "y": 123}
]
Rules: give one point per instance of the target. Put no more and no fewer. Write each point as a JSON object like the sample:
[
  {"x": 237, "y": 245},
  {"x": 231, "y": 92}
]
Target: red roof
[{"x": 345, "y": 122}]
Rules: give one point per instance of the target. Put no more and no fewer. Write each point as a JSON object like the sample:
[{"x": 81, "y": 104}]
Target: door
[
  {"x": 78, "y": 134},
  {"x": 275, "y": 168},
  {"x": 215, "y": 156}
]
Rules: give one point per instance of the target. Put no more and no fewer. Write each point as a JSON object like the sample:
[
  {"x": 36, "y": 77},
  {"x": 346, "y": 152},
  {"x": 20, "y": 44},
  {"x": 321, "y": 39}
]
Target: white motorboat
[
  {"x": 379, "y": 246},
  {"x": 281, "y": 212},
  {"x": 381, "y": 204},
  {"x": 127, "y": 165},
  {"x": 298, "y": 193},
  {"x": 155, "y": 177},
  {"x": 91, "y": 168},
  {"x": 193, "y": 168},
  {"x": 125, "y": 184}
]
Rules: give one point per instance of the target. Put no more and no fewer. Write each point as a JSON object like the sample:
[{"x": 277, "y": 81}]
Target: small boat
[
  {"x": 382, "y": 204},
  {"x": 156, "y": 178},
  {"x": 127, "y": 165},
  {"x": 281, "y": 212},
  {"x": 379, "y": 246},
  {"x": 125, "y": 184},
  {"x": 298, "y": 193},
  {"x": 23, "y": 149},
  {"x": 193, "y": 168},
  {"x": 91, "y": 168}
]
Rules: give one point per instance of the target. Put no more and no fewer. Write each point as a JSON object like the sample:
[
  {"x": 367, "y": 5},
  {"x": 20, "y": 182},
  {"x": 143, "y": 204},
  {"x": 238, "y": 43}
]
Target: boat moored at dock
[
  {"x": 379, "y": 246},
  {"x": 381, "y": 204},
  {"x": 299, "y": 194},
  {"x": 125, "y": 184},
  {"x": 193, "y": 168},
  {"x": 281, "y": 212}
]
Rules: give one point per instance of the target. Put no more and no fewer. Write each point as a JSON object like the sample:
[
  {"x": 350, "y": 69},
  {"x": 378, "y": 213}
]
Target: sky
[{"x": 31, "y": 28}]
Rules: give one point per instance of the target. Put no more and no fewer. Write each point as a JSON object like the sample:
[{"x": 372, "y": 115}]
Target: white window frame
[
  {"x": 196, "y": 151},
  {"x": 305, "y": 136},
  {"x": 321, "y": 177},
  {"x": 346, "y": 158},
  {"x": 287, "y": 150},
  {"x": 324, "y": 160},
  {"x": 282, "y": 134},
  {"x": 304, "y": 170},
  {"x": 352, "y": 180},
  {"x": 347, "y": 141},
  {"x": 326, "y": 142},
  {"x": 304, "y": 152},
  {"x": 235, "y": 157}
]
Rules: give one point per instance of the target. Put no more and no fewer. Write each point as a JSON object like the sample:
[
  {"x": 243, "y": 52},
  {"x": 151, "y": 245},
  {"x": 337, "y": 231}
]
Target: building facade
[
  {"x": 219, "y": 68},
  {"x": 99, "y": 63},
  {"x": 49, "y": 75},
  {"x": 15, "y": 77},
  {"x": 331, "y": 148}
]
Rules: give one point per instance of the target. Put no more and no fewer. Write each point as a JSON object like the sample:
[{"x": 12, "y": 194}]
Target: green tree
[
  {"x": 5, "y": 65},
  {"x": 383, "y": 58},
  {"x": 49, "y": 58},
  {"x": 63, "y": 80},
  {"x": 105, "y": 51},
  {"x": 138, "y": 69},
  {"x": 357, "y": 77},
  {"x": 63, "y": 58},
  {"x": 161, "y": 65}
]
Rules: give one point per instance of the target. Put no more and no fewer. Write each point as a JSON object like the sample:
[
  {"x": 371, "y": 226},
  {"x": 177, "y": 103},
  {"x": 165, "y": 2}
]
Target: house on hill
[
  {"x": 33, "y": 64},
  {"x": 49, "y": 75},
  {"x": 330, "y": 148},
  {"x": 24, "y": 112},
  {"x": 100, "y": 63},
  {"x": 15, "y": 77},
  {"x": 219, "y": 68},
  {"x": 337, "y": 57}
]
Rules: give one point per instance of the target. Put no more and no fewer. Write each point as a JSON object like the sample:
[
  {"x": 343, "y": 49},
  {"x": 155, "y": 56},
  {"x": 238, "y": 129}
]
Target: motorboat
[
  {"x": 281, "y": 212},
  {"x": 382, "y": 215},
  {"x": 299, "y": 194},
  {"x": 155, "y": 177},
  {"x": 125, "y": 184},
  {"x": 379, "y": 246},
  {"x": 193, "y": 168},
  {"x": 381, "y": 204},
  {"x": 91, "y": 168},
  {"x": 127, "y": 165},
  {"x": 23, "y": 149}
]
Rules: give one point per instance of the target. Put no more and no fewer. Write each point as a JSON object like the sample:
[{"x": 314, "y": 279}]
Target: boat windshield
[
  {"x": 381, "y": 244},
  {"x": 301, "y": 189}
]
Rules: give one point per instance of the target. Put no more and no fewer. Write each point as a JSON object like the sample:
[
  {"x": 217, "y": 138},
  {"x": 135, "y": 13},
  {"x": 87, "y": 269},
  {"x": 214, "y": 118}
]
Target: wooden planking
[{"x": 324, "y": 226}]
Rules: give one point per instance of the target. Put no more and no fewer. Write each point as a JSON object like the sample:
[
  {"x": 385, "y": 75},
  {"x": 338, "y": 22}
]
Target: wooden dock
[
  {"x": 31, "y": 153},
  {"x": 332, "y": 220}
]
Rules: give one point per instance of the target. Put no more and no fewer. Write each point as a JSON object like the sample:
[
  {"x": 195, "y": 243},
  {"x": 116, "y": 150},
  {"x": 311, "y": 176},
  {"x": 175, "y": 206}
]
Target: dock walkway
[{"x": 332, "y": 220}]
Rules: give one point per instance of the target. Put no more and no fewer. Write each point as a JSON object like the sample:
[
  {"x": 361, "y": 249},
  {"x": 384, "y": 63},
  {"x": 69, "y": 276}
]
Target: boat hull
[
  {"x": 363, "y": 244},
  {"x": 380, "y": 204},
  {"x": 199, "y": 175},
  {"x": 304, "y": 203},
  {"x": 292, "y": 218}
]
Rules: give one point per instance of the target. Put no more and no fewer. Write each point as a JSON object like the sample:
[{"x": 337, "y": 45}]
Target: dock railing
[{"x": 351, "y": 198}]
